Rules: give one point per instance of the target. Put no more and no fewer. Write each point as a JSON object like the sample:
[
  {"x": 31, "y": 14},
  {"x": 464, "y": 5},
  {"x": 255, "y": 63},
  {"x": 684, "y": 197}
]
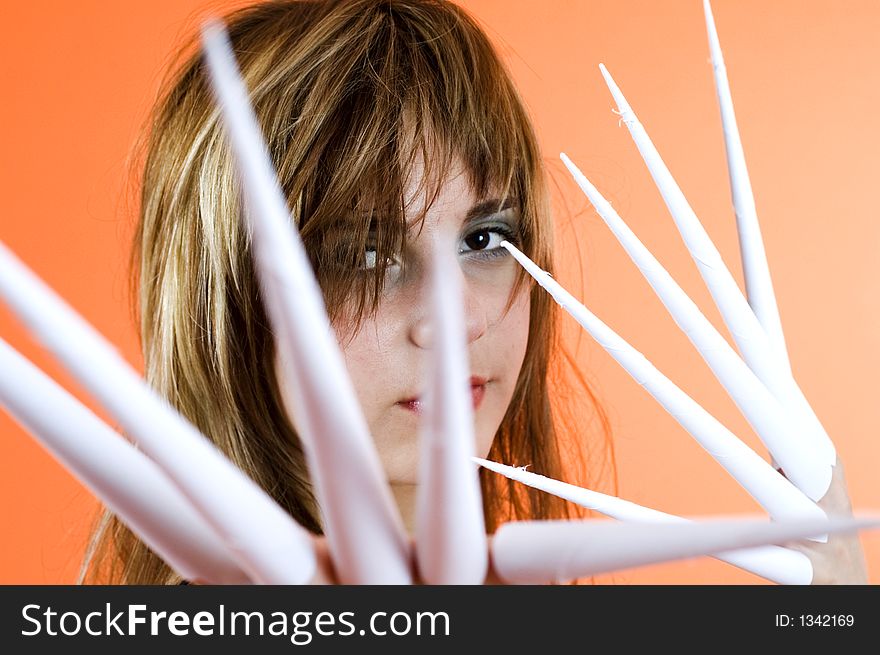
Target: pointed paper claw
[
  {"x": 451, "y": 542},
  {"x": 759, "y": 286},
  {"x": 765, "y": 414},
  {"x": 126, "y": 480},
  {"x": 364, "y": 531},
  {"x": 780, "y": 565},
  {"x": 269, "y": 545},
  {"x": 750, "y": 337},
  {"x": 546, "y": 552},
  {"x": 774, "y": 493}
]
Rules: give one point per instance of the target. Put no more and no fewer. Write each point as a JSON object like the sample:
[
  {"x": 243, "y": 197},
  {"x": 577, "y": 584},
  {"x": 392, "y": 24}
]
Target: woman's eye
[
  {"x": 486, "y": 242},
  {"x": 370, "y": 256},
  {"x": 483, "y": 243},
  {"x": 479, "y": 240}
]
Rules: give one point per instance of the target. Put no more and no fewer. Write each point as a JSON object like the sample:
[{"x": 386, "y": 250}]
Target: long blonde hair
[{"x": 348, "y": 94}]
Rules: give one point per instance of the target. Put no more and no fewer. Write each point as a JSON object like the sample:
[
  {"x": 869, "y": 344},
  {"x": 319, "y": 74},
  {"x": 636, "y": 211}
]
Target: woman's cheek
[{"x": 509, "y": 338}]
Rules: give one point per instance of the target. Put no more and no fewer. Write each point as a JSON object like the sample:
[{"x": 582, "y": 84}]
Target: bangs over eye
[{"x": 415, "y": 92}]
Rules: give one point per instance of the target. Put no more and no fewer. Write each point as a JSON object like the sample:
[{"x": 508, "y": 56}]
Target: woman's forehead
[{"x": 437, "y": 188}]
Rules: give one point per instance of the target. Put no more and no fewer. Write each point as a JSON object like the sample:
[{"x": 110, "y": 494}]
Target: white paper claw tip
[{"x": 756, "y": 270}]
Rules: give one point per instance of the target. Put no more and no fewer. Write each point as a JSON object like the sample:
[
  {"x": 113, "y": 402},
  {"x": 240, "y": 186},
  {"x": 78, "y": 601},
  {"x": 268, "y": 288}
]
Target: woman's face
[{"x": 387, "y": 356}]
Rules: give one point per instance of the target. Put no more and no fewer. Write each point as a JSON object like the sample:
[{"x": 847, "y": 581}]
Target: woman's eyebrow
[
  {"x": 479, "y": 210},
  {"x": 491, "y": 206}
]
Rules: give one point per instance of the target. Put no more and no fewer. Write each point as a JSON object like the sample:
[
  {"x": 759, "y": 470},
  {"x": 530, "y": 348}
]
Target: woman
[
  {"x": 378, "y": 118},
  {"x": 392, "y": 127}
]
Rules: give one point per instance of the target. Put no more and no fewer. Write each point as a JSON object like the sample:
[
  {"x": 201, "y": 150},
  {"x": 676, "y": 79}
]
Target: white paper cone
[
  {"x": 750, "y": 337},
  {"x": 126, "y": 480},
  {"x": 546, "y": 552},
  {"x": 765, "y": 414},
  {"x": 268, "y": 544},
  {"x": 451, "y": 541},
  {"x": 773, "y": 492},
  {"x": 364, "y": 531},
  {"x": 756, "y": 270},
  {"x": 780, "y": 565}
]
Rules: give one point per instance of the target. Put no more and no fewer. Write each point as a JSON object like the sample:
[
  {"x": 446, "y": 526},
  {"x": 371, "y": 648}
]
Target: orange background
[{"x": 79, "y": 77}]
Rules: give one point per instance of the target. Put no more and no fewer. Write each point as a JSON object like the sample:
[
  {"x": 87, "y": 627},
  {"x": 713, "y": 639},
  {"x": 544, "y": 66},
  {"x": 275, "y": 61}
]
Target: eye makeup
[
  {"x": 502, "y": 226},
  {"x": 483, "y": 236}
]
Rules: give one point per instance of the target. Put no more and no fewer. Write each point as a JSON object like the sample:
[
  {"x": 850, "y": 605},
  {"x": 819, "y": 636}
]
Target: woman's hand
[{"x": 841, "y": 560}]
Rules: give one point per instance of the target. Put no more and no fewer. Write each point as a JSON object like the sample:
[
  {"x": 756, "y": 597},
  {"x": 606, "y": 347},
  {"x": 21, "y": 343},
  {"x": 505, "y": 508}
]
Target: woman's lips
[{"x": 477, "y": 393}]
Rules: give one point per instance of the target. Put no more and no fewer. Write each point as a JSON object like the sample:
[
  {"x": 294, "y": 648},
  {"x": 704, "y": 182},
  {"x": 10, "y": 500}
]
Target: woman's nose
[{"x": 421, "y": 333}]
